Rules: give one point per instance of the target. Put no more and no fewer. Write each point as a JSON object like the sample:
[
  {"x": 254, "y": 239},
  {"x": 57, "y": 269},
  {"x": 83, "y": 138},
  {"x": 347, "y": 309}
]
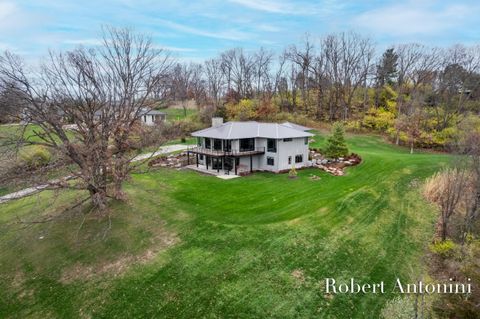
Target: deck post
[
  {"x": 235, "y": 164},
  {"x": 188, "y": 158},
  {"x": 197, "y": 159},
  {"x": 218, "y": 166},
  {"x": 251, "y": 166},
  {"x": 206, "y": 161}
]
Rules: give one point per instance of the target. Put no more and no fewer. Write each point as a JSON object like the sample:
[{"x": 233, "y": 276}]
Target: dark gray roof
[
  {"x": 152, "y": 112},
  {"x": 297, "y": 126},
  {"x": 140, "y": 112},
  {"x": 236, "y": 130}
]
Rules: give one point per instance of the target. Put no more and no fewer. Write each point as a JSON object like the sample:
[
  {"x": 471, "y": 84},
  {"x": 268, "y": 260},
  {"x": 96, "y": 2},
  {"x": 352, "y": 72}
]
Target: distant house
[
  {"x": 147, "y": 117},
  {"x": 151, "y": 117},
  {"x": 251, "y": 146}
]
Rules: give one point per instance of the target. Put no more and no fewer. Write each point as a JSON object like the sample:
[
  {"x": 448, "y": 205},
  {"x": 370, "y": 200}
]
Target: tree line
[
  {"x": 330, "y": 78},
  {"x": 416, "y": 93}
]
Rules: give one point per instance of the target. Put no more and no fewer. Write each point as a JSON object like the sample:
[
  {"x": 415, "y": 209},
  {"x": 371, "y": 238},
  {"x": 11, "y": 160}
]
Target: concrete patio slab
[{"x": 220, "y": 174}]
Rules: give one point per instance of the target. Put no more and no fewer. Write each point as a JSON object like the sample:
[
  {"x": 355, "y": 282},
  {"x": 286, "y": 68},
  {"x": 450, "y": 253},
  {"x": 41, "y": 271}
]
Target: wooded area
[{"x": 418, "y": 95}]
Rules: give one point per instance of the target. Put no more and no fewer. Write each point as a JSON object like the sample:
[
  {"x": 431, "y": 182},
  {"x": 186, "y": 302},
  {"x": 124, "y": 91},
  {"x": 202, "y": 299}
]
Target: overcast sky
[{"x": 195, "y": 30}]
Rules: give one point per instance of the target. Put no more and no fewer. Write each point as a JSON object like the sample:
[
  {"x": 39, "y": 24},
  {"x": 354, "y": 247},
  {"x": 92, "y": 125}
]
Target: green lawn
[
  {"x": 187, "y": 245},
  {"x": 178, "y": 114}
]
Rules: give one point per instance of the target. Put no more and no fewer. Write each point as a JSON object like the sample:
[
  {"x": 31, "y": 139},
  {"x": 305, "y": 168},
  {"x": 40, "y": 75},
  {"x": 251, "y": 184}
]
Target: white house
[
  {"x": 146, "y": 116},
  {"x": 251, "y": 146},
  {"x": 152, "y": 117}
]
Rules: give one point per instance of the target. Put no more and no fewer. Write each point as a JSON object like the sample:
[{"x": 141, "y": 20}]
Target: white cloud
[
  {"x": 176, "y": 49},
  {"x": 12, "y": 17},
  {"x": 91, "y": 41},
  {"x": 263, "y": 5},
  {"x": 7, "y": 9},
  {"x": 267, "y": 28},
  {"x": 226, "y": 35},
  {"x": 415, "y": 18},
  {"x": 293, "y": 8}
]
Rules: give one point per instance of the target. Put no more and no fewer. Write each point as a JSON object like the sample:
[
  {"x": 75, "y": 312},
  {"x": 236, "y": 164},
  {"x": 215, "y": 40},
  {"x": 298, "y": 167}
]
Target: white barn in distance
[{"x": 251, "y": 146}]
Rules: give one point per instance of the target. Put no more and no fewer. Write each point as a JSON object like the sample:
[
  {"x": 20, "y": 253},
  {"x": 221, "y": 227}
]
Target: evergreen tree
[
  {"x": 387, "y": 68},
  {"x": 336, "y": 145}
]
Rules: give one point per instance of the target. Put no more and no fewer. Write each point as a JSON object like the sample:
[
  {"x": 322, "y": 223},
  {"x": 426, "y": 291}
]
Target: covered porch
[{"x": 227, "y": 163}]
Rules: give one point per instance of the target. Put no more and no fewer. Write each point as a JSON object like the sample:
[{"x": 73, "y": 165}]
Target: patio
[{"x": 218, "y": 173}]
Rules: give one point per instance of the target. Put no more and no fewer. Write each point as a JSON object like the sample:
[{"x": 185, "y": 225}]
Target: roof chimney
[{"x": 217, "y": 121}]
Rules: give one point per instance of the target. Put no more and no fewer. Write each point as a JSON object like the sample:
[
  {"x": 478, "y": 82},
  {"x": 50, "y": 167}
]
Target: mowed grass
[
  {"x": 253, "y": 247},
  {"x": 174, "y": 114}
]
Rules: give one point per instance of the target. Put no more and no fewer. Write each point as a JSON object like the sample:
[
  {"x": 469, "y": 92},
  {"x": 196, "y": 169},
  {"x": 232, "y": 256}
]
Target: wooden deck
[{"x": 233, "y": 153}]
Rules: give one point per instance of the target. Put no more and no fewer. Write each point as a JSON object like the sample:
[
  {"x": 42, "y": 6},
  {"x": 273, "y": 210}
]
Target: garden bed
[{"x": 335, "y": 167}]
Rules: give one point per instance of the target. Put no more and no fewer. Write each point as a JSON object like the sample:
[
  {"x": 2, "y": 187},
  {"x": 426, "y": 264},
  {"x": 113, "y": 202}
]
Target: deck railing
[{"x": 233, "y": 152}]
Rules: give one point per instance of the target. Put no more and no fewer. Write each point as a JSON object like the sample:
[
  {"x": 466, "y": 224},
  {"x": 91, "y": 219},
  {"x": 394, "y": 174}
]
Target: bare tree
[
  {"x": 10, "y": 105},
  {"x": 238, "y": 69},
  {"x": 198, "y": 86},
  {"x": 417, "y": 65},
  {"x": 103, "y": 91},
  {"x": 348, "y": 61},
  {"x": 471, "y": 147},
  {"x": 181, "y": 84},
  {"x": 446, "y": 188},
  {"x": 215, "y": 80},
  {"x": 262, "y": 61},
  {"x": 302, "y": 58},
  {"x": 411, "y": 124},
  {"x": 454, "y": 83}
]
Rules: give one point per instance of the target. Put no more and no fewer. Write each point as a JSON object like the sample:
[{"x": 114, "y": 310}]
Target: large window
[
  {"x": 306, "y": 140},
  {"x": 298, "y": 158},
  {"x": 247, "y": 144},
  {"x": 227, "y": 145},
  {"x": 217, "y": 144},
  {"x": 270, "y": 161},
  {"x": 289, "y": 160},
  {"x": 271, "y": 145},
  {"x": 208, "y": 143},
  {"x": 199, "y": 141}
]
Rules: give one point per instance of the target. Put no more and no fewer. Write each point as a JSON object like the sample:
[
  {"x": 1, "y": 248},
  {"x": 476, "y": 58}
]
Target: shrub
[
  {"x": 353, "y": 126},
  {"x": 398, "y": 308},
  {"x": 266, "y": 110},
  {"x": 243, "y": 111},
  {"x": 36, "y": 156},
  {"x": 293, "y": 172},
  {"x": 443, "y": 248},
  {"x": 205, "y": 115},
  {"x": 336, "y": 145},
  {"x": 378, "y": 120},
  {"x": 444, "y": 136}
]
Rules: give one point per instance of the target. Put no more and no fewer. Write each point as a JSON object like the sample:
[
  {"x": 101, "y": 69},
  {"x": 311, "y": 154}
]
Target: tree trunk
[
  {"x": 444, "y": 228},
  {"x": 118, "y": 192},
  {"x": 120, "y": 174},
  {"x": 98, "y": 196}
]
